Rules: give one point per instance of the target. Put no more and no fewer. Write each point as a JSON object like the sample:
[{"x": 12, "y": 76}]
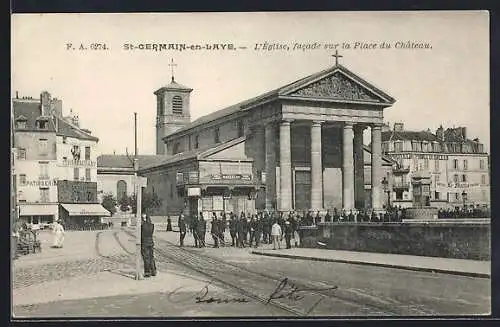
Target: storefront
[
  {"x": 82, "y": 215},
  {"x": 39, "y": 215}
]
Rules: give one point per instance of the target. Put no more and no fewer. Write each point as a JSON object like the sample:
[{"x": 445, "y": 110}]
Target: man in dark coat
[
  {"x": 328, "y": 217},
  {"x": 182, "y": 229},
  {"x": 194, "y": 230},
  {"x": 222, "y": 228},
  {"x": 215, "y": 231},
  {"x": 147, "y": 244},
  {"x": 240, "y": 230},
  {"x": 232, "y": 230},
  {"x": 251, "y": 228},
  {"x": 288, "y": 234},
  {"x": 202, "y": 230}
]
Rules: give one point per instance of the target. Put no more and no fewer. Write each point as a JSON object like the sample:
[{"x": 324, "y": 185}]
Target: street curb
[{"x": 442, "y": 271}]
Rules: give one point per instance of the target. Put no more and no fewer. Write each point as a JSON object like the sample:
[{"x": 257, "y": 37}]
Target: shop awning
[
  {"x": 38, "y": 209},
  {"x": 85, "y": 209}
]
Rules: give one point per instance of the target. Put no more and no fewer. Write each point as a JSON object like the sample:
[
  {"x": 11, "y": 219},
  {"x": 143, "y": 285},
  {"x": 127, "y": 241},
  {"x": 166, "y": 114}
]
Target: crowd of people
[
  {"x": 464, "y": 212},
  {"x": 245, "y": 230}
]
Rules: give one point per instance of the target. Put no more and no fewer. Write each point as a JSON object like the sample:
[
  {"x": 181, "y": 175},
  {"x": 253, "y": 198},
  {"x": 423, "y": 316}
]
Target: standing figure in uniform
[
  {"x": 194, "y": 230},
  {"x": 288, "y": 234},
  {"x": 215, "y": 230},
  {"x": 240, "y": 230},
  {"x": 232, "y": 229},
  {"x": 202, "y": 230},
  {"x": 182, "y": 229},
  {"x": 147, "y": 230}
]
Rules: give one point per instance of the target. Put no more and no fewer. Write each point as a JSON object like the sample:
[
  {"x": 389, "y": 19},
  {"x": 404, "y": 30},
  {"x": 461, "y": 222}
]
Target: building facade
[
  {"x": 116, "y": 175},
  {"x": 458, "y": 166},
  {"x": 299, "y": 147},
  {"x": 51, "y": 150}
]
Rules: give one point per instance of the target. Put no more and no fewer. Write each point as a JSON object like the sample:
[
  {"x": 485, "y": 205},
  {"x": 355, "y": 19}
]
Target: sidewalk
[
  {"x": 105, "y": 284},
  {"x": 471, "y": 268}
]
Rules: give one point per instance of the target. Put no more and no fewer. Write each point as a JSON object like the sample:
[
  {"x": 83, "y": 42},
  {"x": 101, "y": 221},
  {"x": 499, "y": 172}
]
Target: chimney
[
  {"x": 398, "y": 127},
  {"x": 464, "y": 132},
  {"x": 17, "y": 94},
  {"x": 46, "y": 103}
]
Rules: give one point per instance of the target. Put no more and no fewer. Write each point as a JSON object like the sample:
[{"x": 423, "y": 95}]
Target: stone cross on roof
[
  {"x": 172, "y": 65},
  {"x": 337, "y": 56}
]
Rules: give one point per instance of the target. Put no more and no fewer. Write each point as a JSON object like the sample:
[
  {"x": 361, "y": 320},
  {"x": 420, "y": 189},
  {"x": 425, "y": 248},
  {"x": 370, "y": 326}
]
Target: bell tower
[{"x": 172, "y": 110}]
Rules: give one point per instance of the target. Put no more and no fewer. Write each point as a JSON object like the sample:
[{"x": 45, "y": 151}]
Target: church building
[{"x": 298, "y": 147}]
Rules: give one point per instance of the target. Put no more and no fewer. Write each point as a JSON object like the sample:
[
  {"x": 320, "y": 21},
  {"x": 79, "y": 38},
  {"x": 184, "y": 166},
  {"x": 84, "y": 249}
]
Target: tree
[
  {"x": 150, "y": 201},
  {"x": 109, "y": 203},
  {"x": 124, "y": 203}
]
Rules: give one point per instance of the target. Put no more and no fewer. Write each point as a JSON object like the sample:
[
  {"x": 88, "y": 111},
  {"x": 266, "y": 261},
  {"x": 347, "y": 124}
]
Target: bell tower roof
[{"x": 173, "y": 86}]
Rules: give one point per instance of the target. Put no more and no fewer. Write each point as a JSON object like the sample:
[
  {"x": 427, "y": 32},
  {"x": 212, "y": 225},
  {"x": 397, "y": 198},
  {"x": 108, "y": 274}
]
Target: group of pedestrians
[{"x": 250, "y": 230}]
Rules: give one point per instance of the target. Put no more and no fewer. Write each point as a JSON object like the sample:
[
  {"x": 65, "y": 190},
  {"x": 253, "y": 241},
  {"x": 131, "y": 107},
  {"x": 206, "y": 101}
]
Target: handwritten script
[
  {"x": 203, "y": 297},
  {"x": 289, "y": 290}
]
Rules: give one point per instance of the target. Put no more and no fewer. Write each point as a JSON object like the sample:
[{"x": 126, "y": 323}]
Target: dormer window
[
  {"x": 21, "y": 122},
  {"x": 177, "y": 105},
  {"x": 42, "y": 123}
]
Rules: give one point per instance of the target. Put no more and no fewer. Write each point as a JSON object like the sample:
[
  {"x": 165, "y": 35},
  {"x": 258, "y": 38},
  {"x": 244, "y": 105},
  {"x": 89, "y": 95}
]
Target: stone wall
[{"x": 460, "y": 241}]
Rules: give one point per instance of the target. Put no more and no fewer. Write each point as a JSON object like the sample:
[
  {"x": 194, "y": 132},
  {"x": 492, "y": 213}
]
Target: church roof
[
  {"x": 174, "y": 86},
  {"x": 289, "y": 90},
  {"x": 199, "y": 153},
  {"x": 124, "y": 161}
]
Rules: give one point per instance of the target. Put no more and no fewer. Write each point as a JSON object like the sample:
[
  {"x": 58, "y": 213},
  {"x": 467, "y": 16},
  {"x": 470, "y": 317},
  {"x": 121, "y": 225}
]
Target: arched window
[
  {"x": 121, "y": 189},
  {"x": 177, "y": 105}
]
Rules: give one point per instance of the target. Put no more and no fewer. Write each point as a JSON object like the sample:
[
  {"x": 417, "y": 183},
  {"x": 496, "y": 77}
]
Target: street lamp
[
  {"x": 385, "y": 183},
  {"x": 464, "y": 197}
]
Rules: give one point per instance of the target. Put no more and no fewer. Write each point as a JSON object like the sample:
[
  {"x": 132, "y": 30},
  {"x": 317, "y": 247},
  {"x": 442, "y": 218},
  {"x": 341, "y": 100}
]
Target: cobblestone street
[{"x": 80, "y": 256}]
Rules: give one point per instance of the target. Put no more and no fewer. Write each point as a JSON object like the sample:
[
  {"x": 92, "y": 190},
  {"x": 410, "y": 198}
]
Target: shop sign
[
  {"x": 194, "y": 191},
  {"x": 242, "y": 177},
  {"x": 75, "y": 163},
  {"x": 41, "y": 183}
]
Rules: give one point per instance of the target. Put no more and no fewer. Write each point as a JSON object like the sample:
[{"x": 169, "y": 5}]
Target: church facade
[{"x": 298, "y": 147}]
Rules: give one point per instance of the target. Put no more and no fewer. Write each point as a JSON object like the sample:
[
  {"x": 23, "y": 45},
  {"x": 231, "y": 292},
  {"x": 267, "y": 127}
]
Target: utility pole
[{"x": 138, "y": 196}]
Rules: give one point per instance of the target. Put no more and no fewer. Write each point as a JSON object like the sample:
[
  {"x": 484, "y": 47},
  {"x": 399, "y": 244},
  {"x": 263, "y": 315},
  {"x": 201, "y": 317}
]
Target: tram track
[{"x": 262, "y": 285}]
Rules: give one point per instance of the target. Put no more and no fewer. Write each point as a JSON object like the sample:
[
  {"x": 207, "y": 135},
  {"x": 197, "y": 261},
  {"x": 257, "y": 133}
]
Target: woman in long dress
[{"x": 58, "y": 231}]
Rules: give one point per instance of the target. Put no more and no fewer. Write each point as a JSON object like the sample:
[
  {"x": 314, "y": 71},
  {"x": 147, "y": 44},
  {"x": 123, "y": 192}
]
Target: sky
[{"x": 447, "y": 83}]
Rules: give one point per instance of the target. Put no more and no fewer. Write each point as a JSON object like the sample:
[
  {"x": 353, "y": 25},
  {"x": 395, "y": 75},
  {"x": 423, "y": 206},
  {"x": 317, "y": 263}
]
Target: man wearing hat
[{"x": 147, "y": 244}]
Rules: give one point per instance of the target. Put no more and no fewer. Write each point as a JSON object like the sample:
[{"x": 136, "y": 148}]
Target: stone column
[
  {"x": 270, "y": 135},
  {"x": 347, "y": 168},
  {"x": 376, "y": 166},
  {"x": 316, "y": 167},
  {"x": 285, "y": 167},
  {"x": 359, "y": 168}
]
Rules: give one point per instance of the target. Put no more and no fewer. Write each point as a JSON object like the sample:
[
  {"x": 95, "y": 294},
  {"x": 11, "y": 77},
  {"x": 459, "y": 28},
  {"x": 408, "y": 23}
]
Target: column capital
[
  {"x": 348, "y": 125},
  {"x": 286, "y": 121},
  {"x": 317, "y": 123},
  {"x": 376, "y": 126}
]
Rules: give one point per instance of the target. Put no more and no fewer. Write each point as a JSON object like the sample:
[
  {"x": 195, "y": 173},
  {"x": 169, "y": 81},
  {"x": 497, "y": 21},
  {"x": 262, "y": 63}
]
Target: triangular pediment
[{"x": 341, "y": 86}]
